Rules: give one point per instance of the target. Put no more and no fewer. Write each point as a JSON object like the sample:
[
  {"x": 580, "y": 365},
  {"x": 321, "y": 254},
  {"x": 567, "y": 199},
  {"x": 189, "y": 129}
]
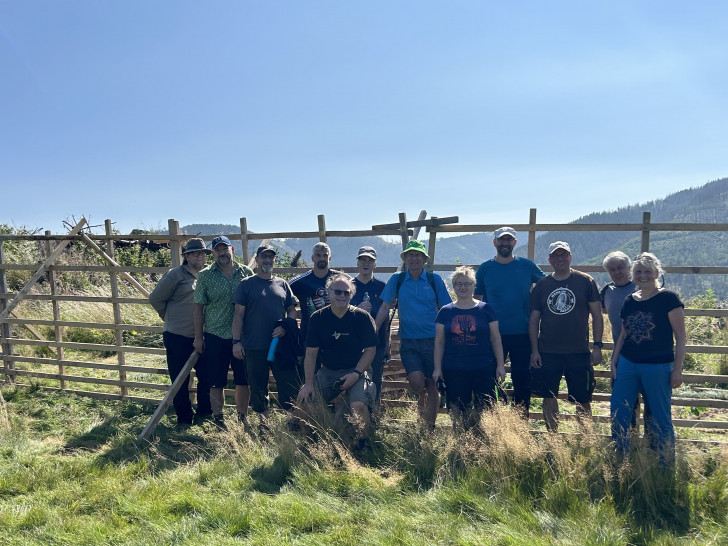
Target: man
[
  {"x": 559, "y": 331},
  {"x": 310, "y": 287},
  {"x": 367, "y": 297},
  {"x": 213, "y": 312},
  {"x": 419, "y": 294},
  {"x": 344, "y": 338},
  {"x": 261, "y": 303},
  {"x": 504, "y": 282},
  {"x": 172, "y": 299}
]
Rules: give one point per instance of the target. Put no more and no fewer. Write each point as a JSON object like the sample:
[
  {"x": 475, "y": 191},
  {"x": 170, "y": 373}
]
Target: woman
[
  {"x": 468, "y": 351},
  {"x": 646, "y": 358}
]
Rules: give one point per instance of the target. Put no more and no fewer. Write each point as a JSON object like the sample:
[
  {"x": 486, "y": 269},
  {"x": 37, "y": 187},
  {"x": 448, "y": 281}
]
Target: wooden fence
[{"x": 136, "y": 381}]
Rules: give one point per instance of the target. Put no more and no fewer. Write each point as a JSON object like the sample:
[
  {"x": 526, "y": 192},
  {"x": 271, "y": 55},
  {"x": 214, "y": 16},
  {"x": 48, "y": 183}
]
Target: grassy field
[{"x": 72, "y": 472}]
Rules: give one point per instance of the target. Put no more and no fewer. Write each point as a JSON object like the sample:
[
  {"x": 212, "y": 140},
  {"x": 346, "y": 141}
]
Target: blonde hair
[
  {"x": 650, "y": 261},
  {"x": 463, "y": 271}
]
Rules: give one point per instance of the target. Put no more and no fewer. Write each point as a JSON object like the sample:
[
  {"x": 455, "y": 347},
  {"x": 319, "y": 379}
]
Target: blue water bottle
[{"x": 272, "y": 350}]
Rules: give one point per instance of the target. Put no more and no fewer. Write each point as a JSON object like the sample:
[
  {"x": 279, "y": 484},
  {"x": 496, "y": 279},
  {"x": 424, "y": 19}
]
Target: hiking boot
[{"x": 220, "y": 422}]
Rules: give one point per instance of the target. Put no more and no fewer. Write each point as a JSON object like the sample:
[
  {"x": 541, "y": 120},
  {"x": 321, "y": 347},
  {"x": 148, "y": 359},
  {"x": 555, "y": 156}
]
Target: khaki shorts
[{"x": 363, "y": 390}]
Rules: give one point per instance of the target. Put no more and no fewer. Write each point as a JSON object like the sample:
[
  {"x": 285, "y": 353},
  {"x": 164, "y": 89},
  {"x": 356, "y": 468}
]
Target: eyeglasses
[
  {"x": 197, "y": 253},
  {"x": 365, "y": 259},
  {"x": 462, "y": 284},
  {"x": 338, "y": 292}
]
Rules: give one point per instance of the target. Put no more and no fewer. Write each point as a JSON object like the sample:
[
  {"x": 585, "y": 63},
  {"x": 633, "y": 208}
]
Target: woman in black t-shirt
[{"x": 645, "y": 356}]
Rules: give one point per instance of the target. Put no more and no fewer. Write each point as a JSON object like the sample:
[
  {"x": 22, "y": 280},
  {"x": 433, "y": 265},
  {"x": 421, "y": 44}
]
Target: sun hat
[
  {"x": 195, "y": 244},
  {"x": 414, "y": 244}
]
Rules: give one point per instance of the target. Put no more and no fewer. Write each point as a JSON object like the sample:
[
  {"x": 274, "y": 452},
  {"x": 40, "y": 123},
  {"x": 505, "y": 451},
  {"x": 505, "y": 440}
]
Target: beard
[
  {"x": 505, "y": 251},
  {"x": 266, "y": 268},
  {"x": 321, "y": 264}
]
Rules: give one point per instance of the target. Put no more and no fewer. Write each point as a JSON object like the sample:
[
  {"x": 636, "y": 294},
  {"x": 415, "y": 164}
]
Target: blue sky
[{"x": 278, "y": 111}]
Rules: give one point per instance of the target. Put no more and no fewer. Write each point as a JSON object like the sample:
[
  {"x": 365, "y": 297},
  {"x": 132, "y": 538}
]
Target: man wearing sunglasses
[{"x": 344, "y": 339}]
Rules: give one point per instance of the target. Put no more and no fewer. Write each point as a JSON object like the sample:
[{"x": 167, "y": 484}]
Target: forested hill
[{"x": 708, "y": 203}]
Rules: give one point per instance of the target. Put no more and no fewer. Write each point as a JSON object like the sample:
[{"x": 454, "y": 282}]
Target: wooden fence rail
[{"x": 128, "y": 378}]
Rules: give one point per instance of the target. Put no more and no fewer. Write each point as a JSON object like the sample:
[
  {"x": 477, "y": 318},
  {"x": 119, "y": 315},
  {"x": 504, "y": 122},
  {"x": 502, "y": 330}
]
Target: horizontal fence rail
[{"x": 123, "y": 369}]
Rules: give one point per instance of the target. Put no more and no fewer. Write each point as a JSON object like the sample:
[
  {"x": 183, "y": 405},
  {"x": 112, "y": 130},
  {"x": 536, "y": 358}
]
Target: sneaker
[{"x": 220, "y": 422}]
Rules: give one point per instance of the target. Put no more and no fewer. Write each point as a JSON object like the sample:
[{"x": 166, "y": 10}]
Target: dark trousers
[
  {"x": 285, "y": 374},
  {"x": 470, "y": 388},
  {"x": 517, "y": 348},
  {"x": 377, "y": 371},
  {"x": 179, "y": 348}
]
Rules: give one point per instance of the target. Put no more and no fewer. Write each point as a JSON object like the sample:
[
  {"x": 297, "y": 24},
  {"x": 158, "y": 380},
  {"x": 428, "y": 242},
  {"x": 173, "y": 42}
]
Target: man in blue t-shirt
[
  {"x": 504, "y": 282},
  {"x": 419, "y": 295}
]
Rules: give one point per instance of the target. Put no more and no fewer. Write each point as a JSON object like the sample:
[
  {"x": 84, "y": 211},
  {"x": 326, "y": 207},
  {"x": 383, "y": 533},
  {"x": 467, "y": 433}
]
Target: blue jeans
[{"x": 654, "y": 381}]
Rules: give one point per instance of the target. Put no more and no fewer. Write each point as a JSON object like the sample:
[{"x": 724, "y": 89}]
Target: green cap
[{"x": 414, "y": 244}]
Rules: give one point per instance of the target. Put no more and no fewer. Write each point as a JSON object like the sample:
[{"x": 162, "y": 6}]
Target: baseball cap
[
  {"x": 367, "y": 251},
  {"x": 265, "y": 248},
  {"x": 220, "y": 239},
  {"x": 557, "y": 245},
  {"x": 505, "y": 230}
]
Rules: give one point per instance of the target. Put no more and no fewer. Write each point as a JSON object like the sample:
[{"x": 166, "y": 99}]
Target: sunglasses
[{"x": 338, "y": 292}]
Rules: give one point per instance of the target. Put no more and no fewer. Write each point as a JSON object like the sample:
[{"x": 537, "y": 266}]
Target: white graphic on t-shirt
[
  {"x": 639, "y": 326},
  {"x": 561, "y": 301},
  {"x": 337, "y": 335}
]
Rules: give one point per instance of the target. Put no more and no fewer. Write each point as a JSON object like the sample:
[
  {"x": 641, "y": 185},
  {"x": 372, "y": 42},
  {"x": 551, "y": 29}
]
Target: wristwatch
[
  {"x": 236, "y": 341},
  {"x": 358, "y": 372},
  {"x": 598, "y": 344}
]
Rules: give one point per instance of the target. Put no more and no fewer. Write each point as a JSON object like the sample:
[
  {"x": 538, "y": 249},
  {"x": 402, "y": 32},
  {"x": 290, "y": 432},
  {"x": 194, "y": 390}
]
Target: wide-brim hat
[
  {"x": 414, "y": 244},
  {"x": 195, "y": 244}
]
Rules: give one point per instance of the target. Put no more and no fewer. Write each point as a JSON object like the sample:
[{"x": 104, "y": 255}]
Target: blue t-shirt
[
  {"x": 507, "y": 287},
  {"x": 374, "y": 289},
  {"x": 417, "y": 304},
  {"x": 467, "y": 337}
]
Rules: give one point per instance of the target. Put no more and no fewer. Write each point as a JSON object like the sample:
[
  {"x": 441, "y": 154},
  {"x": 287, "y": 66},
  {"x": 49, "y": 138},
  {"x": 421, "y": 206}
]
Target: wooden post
[
  {"x": 532, "y": 235},
  {"x": 404, "y": 235},
  {"x": 245, "y": 240},
  {"x": 169, "y": 397},
  {"x": 121, "y": 357},
  {"x": 41, "y": 271},
  {"x": 322, "y": 228},
  {"x": 175, "y": 249},
  {"x": 5, "y": 329},
  {"x": 645, "y": 246},
  {"x": 431, "y": 247},
  {"x": 53, "y": 279}
]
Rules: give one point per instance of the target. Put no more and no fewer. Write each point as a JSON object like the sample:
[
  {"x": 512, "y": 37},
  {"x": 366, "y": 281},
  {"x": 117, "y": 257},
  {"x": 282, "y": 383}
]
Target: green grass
[{"x": 73, "y": 472}]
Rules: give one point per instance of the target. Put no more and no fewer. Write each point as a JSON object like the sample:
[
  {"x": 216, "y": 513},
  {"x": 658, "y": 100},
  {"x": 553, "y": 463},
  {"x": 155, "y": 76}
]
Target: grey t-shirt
[
  {"x": 265, "y": 301},
  {"x": 612, "y": 301}
]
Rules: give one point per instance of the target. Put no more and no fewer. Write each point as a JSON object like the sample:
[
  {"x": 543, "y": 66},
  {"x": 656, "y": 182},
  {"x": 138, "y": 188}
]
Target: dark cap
[
  {"x": 220, "y": 239},
  {"x": 195, "y": 244},
  {"x": 367, "y": 251},
  {"x": 265, "y": 248}
]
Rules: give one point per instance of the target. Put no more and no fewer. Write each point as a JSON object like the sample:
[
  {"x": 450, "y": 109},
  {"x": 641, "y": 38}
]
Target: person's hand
[
  {"x": 349, "y": 380},
  {"x": 199, "y": 345},
  {"x": 305, "y": 394},
  {"x": 436, "y": 375},
  {"x": 676, "y": 378},
  {"x": 596, "y": 356},
  {"x": 238, "y": 351},
  {"x": 536, "y": 360},
  {"x": 500, "y": 373},
  {"x": 613, "y": 373},
  {"x": 366, "y": 306},
  {"x": 279, "y": 331}
]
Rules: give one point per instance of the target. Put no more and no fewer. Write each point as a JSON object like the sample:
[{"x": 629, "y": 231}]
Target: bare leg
[
  {"x": 216, "y": 400},
  {"x": 417, "y": 384},
  {"x": 551, "y": 414},
  {"x": 583, "y": 412},
  {"x": 360, "y": 414},
  {"x": 433, "y": 402},
  {"x": 242, "y": 399}
]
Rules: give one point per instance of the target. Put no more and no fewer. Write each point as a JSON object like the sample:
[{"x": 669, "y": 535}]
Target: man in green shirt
[{"x": 213, "y": 314}]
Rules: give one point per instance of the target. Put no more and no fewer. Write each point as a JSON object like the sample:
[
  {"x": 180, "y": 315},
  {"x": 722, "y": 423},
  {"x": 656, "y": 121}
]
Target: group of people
[{"x": 507, "y": 309}]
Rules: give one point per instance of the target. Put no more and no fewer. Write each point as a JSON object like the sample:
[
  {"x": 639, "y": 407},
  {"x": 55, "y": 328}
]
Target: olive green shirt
[{"x": 215, "y": 291}]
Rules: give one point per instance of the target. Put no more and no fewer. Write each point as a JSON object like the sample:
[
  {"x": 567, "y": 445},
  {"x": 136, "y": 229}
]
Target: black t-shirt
[
  {"x": 649, "y": 335},
  {"x": 265, "y": 301},
  {"x": 341, "y": 340},
  {"x": 374, "y": 289},
  {"x": 311, "y": 293}
]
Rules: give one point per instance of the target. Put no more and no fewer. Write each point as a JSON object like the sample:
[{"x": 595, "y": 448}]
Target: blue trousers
[{"x": 654, "y": 381}]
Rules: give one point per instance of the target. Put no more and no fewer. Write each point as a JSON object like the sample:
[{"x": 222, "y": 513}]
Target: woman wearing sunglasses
[{"x": 468, "y": 352}]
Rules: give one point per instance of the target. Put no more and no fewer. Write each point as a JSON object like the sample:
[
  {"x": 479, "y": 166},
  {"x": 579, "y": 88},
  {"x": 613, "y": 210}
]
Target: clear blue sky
[{"x": 278, "y": 111}]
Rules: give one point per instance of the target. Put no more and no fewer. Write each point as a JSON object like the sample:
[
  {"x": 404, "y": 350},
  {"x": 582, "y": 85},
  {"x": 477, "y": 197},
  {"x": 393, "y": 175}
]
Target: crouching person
[{"x": 345, "y": 338}]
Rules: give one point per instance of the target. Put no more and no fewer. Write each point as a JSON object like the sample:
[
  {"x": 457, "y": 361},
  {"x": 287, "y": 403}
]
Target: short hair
[
  {"x": 650, "y": 261},
  {"x": 617, "y": 256},
  {"x": 321, "y": 246},
  {"x": 463, "y": 271},
  {"x": 343, "y": 277}
]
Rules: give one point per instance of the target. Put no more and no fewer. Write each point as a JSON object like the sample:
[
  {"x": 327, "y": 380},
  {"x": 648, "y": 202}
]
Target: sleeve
[
  {"x": 625, "y": 307},
  {"x": 388, "y": 293},
  {"x": 536, "y": 273},
  {"x": 534, "y": 300},
  {"x": 593, "y": 291},
  {"x": 441, "y": 318},
  {"x": 241, "y": 294},
  {"x": 312, "y": 337},
  {"x": 290, "y": 300},
  {"x": 490, "y": 313},
  {"x": 162, "y": 293},
  {"x": 443, "y": 295},
  {"x": 674, "y": 302},
  {"x": 601, "y": 296},
  {"x": 201, "y": 288},
  {"x": 480, "y": 281}
]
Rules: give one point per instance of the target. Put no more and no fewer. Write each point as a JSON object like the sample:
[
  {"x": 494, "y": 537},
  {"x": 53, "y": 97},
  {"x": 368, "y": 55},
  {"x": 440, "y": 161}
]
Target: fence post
[
  {"x": 532, "y": 235},
  {"x": 645, "y": 246},
  {"x": 175, "y": 248},
  {"x": 6, "y": 332},
  {"x": 53, "y": 278},
  {"x": 431, "y": 247},
  {"x": 245, "y": 240},
  {"x": 119, "y": 334},
  {"x": 322, "y": 228}
]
